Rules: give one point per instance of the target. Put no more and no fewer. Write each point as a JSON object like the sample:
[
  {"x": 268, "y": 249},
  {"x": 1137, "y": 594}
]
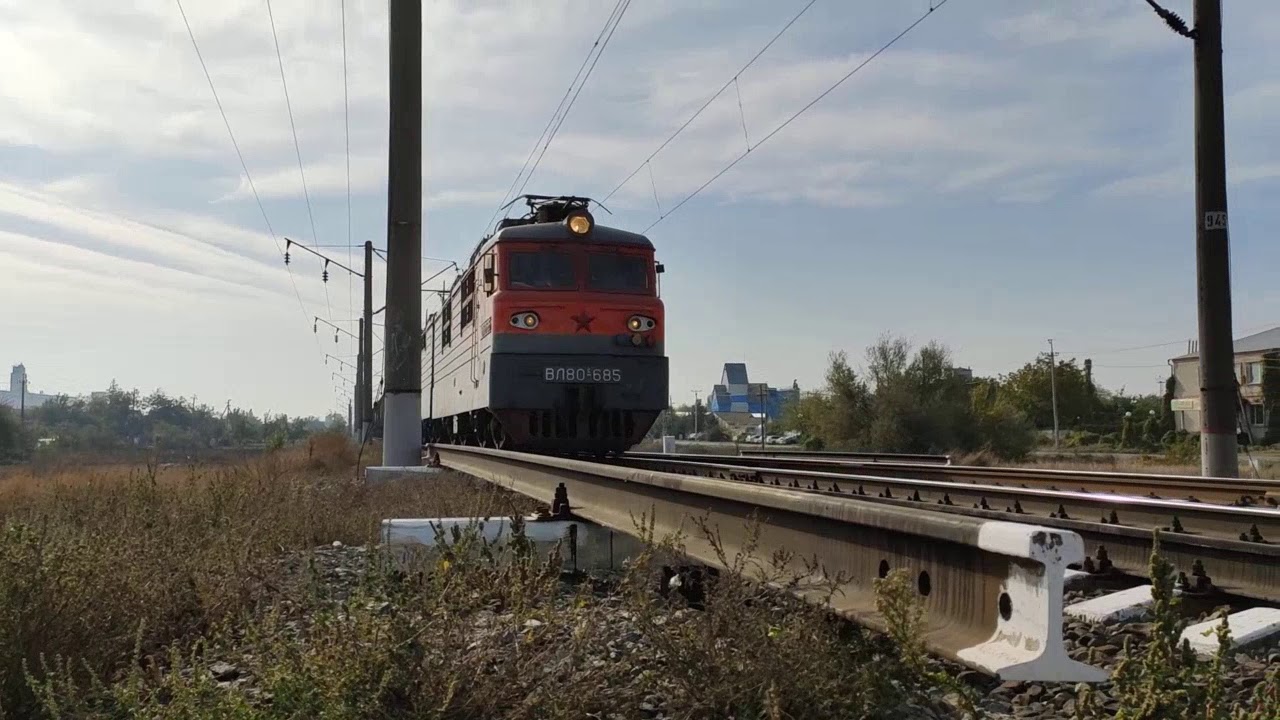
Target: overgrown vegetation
[
  {"x": 119, "y": 599},
  {"x": 1166, "y": 681},
  {"x": 95, "y": 567},
  {"x": 120, "y": 420}
]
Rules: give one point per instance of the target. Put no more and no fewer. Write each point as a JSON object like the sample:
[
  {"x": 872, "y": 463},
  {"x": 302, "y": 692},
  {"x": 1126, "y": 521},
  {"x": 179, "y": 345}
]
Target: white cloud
[{"x": 1016, "y": 103}]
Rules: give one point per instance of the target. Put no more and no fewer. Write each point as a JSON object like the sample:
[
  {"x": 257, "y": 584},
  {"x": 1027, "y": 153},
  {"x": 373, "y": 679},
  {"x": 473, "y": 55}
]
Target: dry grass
[
  {"x": 464, "y": 634},
  {"x": 111, "y": 563},
  {"x": 119, "y": 586},
  {"x": 1129, "y": 462}
]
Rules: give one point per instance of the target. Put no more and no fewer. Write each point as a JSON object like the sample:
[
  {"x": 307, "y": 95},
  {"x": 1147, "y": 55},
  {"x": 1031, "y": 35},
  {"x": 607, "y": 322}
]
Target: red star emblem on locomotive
[{"x": 583, "y": 321}]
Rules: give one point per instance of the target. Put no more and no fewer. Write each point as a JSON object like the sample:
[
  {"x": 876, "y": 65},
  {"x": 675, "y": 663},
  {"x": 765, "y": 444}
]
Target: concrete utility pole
[
  {"x": 402, "y": 372},
  {"x": 1053, "y": 389},
  {"x": 1213, "y": 266},
  {"x": 362, "y": 391},
  {"x": 366, "y": 347},
  {"x": 22, "y": 404},
  {"x": 695, "y": 412}
]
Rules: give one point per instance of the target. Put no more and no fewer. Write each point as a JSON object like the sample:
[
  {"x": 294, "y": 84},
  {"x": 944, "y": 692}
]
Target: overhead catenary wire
[
  {"x": 1152, "y": 346},
  {"x": 731, "y": 81},
  {"x": 253, "y": 189},
  {"x": 346, "y": 124},
  {"x": 856, "y": 69},
  {"x": 556, "y": 114},
  {"x": 293, "y": 127},
  {"x": 555, "y": 130}
]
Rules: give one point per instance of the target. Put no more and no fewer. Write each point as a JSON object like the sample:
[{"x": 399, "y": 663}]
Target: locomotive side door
[
  {"x": 468, "y": 311},
  {"x": 484, "y": 316}
]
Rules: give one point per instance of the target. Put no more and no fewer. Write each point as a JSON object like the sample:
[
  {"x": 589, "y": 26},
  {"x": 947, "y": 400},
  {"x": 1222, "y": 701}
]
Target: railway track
[
  {"x": 1230, "y": 548},
  {"x": 1236, "y": 491},
  {"x": 971, "y": 563}
]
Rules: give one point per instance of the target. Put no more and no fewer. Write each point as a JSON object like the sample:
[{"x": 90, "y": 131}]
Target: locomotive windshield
[
  {"x": 543, "y": 269},
  {"x": 617, "y": 273}
]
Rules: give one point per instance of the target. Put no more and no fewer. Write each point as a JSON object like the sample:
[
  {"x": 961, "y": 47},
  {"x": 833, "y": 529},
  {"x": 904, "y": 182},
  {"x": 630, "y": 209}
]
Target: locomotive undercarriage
[{"x": 561, "y": 430}]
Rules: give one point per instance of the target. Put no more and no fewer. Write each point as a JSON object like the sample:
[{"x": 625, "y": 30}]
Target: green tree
[
  {"x": 1271, "y": 396},
  {"x": 1000, "y": 427},
  {"x": 12, "y": 436},
  {"x": 915, "y": 402},
  {"x": 1030, "y": 390}
]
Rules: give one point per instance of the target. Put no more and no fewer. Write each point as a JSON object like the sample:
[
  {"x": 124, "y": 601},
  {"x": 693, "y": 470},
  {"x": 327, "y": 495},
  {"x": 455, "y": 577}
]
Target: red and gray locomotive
[{"x": 551, "y": 339}]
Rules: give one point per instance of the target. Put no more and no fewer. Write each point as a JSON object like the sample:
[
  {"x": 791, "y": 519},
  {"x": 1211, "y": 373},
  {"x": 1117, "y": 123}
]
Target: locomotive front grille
[{"x": 579, "y": 416}]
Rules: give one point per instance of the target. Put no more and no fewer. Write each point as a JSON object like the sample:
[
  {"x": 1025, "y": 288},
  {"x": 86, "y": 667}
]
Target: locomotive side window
[
  {"x": 467, "y": 309},
  {"x": 617, "y": 273},
  {"x": 446, "y": 322},
  {"x": 541, "y": 270}
]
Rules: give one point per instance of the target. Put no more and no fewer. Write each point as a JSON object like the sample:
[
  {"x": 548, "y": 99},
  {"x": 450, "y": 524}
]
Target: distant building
[
  {"x": 13, "y": 397},
  {"x": 736, "y": 398},
  {"x": 1248, "y": 366}
]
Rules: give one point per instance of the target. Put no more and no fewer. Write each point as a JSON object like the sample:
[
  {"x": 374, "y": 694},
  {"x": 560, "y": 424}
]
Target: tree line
[
  {"x": 120, "y": 420},
  {"x": 909, "y": 399}
]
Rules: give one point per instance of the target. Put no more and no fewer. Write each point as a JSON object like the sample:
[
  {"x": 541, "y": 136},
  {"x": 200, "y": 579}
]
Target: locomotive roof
[{"x": 557, "y": 232}]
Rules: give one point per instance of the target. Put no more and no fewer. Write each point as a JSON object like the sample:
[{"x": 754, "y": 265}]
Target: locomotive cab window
[
  {"x": 617, "y": 273},
  {"x": 488, "y": 274},
  {"x": 540, "y": 270},
  {"x": 467, "y": 310}
]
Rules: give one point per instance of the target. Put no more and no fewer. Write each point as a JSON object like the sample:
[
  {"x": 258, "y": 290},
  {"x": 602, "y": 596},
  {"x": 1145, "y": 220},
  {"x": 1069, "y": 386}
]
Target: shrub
[
  {"x": 1184, "y": 449},
  {"x": 1082, "y": 438}
]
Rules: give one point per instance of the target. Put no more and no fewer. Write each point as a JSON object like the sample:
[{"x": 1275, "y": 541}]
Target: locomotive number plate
[{"x": 582, "y": 375}]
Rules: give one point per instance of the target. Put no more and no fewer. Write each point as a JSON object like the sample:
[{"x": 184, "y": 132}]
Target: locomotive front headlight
[
  {"x": 640, "y": 323},
  {"x": 525, "y": 320},
  {"x": 579, "y": 223}
]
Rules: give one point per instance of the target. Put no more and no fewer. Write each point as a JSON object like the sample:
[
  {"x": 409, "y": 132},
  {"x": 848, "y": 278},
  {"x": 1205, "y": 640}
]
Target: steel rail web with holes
[
  {"x": 1222, "y": 490},
  {"x": 1201, "y": 539},
  {"x": 992, "y": 590}
]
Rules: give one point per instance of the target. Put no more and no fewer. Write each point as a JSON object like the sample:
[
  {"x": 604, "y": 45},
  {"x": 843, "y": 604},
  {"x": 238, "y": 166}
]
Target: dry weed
[{"x": 99, "y": 565}]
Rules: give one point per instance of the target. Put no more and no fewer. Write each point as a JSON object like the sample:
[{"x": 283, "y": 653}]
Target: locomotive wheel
[{"x": 498, "y": 438}]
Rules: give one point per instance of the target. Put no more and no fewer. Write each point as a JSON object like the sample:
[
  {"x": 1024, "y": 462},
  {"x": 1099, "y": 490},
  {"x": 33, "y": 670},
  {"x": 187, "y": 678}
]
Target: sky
[{"x": 1010, "y": 171}]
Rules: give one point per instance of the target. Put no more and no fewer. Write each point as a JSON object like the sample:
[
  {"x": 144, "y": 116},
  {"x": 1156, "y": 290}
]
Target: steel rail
[
  {"x": 1208, "y": 545},
  {"x": 846, "y": 455},
  {"x": 1227, "y": 491},
  {"x": 992, "y": 589}
]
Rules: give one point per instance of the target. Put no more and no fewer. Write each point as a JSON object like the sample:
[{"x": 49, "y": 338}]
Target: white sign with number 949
[{"x": 1215, "y": 220}]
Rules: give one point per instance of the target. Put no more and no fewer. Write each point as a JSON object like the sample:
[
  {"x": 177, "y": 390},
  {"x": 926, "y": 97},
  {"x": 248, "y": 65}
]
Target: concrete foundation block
[
  {"x": 1250, "y": 627},
  {"x": 1074, "y": 578},
  {"x": 383, "y": 473},
  {"x": 583, "y": 546},
  {"x": 1122, "y": 605}
]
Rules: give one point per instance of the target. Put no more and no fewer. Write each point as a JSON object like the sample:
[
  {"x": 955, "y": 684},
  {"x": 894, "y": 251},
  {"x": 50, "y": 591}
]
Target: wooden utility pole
[{"x": 402, "y": 355}]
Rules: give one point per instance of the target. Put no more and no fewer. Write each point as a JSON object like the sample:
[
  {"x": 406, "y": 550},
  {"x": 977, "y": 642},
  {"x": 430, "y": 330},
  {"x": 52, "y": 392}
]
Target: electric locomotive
[{"x": 551, "y": 340}]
